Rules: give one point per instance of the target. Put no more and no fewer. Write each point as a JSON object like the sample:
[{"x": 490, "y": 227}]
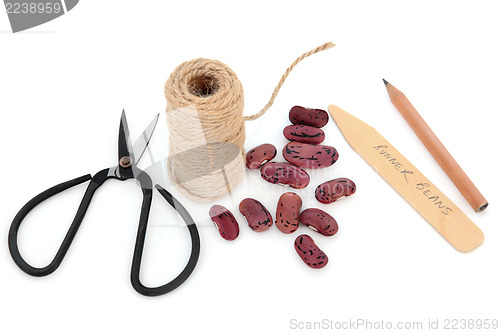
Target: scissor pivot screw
[{"x": 125, "y": 161}]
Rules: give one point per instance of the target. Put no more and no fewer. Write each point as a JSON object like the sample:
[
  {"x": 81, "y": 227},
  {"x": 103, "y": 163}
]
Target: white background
[{"x": 64, "y": 84}]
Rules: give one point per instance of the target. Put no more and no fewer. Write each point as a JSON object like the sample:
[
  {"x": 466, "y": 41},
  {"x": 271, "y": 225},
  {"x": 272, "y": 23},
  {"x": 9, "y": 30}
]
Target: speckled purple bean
[
  {"x": 305, "y": 116},
  {"x": 303, "y": 133},
  {"x": 288, "y": 212},
  {"x": 334, "y": 190},
  {"x": 225, "y": 222},
  {"x": 260, "y": 155},
  {"x": 258, "y": 217},
  {"x": 310, "y": 156},
  {"x": 285, "y": 174},
  {"x": 309, "y": 252},
  {"x": 319, "y": 221}
]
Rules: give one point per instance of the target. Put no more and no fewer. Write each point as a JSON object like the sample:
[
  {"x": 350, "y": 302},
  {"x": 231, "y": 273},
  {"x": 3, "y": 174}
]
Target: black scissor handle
[
  {"x": 95, "y": 183},
  {"x": 146, "y": 185}
]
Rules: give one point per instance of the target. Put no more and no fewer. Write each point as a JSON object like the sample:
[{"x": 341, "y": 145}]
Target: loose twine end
[
  {"x": 207, "y": 128},
  {"x": 320, "y": 48}
]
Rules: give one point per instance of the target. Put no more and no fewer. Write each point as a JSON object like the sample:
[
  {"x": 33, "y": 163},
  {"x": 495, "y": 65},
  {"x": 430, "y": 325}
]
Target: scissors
[{"x": 128, "y": 157}]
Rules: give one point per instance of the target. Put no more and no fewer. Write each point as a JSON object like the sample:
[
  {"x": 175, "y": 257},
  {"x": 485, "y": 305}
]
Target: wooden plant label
[{"x": 410, "y": 183}]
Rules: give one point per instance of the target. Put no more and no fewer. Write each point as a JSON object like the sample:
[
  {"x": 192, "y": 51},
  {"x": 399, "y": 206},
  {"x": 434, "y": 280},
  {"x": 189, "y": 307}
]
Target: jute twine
[{"x": 206, "y": 124}]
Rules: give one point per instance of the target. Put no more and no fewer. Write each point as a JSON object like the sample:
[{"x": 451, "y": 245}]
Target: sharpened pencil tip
[{"x": 385, "y": 82}]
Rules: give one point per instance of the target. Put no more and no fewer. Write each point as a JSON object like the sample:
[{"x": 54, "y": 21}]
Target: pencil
[{"x": 437, "y": 149}]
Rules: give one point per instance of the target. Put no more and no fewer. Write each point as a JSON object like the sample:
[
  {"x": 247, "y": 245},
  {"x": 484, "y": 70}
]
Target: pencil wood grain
[{"x": 437, "y": 149}]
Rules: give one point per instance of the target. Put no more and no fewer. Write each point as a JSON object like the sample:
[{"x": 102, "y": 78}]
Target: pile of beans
[{"x": 304, "y": 151}]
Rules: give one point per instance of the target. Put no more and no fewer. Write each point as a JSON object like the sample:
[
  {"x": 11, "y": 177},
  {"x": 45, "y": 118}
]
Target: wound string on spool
[{"x": 206, "y": 126}]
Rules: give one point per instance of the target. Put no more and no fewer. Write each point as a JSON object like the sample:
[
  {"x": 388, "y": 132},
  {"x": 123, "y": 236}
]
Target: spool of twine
[{"x": 206, "y": 125}]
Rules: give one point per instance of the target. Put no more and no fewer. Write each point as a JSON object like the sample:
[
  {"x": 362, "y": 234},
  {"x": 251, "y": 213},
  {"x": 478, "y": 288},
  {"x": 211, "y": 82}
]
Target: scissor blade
[
  {"x": 124, "y": 146},
  {"x": 142, "y": 142}
]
